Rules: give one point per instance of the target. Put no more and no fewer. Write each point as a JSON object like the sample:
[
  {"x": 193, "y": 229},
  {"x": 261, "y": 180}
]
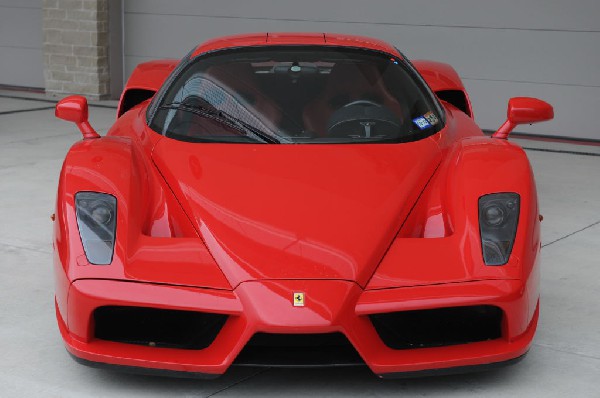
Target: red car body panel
[
  {"x": 208, "y": 228},
  {"x": 348, "y": 204},
  {"x": 332, "y": 311},
  {"x": 147, "y": 76},
  {"x": 443, "y": 78},
  {"x": 263, "y": 39}
]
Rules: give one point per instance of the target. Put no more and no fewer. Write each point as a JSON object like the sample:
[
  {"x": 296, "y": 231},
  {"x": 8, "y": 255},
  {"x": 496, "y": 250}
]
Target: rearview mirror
[
  {"x": 74, "y": 108},
  {"x": 524, "y": 110}
]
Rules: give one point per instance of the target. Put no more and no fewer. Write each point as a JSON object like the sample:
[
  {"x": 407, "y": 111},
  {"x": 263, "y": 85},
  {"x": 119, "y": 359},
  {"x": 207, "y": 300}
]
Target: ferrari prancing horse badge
[{"x": 298, "y": 299}]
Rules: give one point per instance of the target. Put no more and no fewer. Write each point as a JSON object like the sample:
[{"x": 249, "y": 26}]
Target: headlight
[
  {"x": 97, "y": 221},
  {"x": 498, "y": 219}
]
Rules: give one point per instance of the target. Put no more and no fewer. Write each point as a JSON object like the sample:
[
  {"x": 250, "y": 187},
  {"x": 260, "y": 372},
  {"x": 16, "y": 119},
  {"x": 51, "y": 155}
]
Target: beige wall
[{"x": 76, "y": 48}]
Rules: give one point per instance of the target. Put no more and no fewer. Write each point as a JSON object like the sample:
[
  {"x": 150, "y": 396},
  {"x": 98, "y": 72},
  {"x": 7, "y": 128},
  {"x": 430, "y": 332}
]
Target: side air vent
[
  {"x": 132, "y": 97},
  {"x": 456, "y": 98}
]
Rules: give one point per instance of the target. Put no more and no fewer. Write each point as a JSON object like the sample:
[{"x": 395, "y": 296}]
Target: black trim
[
  {"x": 208, "y": 376},
  {"x": 144, "y": 371},
  {"x": 10, "y": 87},
  {"x": 44, "y": 108},
  {"x": 53, "y": 101},
  {"x": 292, "y": 365},
  {"x": 560, "y": 151},
  {"x": 581, "y": 142},
  {"x": 517, "y": 134},
  {"x": 453, "y": 370}
]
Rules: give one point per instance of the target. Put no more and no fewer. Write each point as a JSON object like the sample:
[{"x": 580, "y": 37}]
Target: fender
[
  {"x": 101, "y": 165},
  {"x": 149, "y": 221},
  {"x": 144, "y": 82},
  {"x": 446, "y": 83},
  {"x": 474, "y": 167},
  {"x": 490, "y": 166},
  {"x": 445, "y": 221}
]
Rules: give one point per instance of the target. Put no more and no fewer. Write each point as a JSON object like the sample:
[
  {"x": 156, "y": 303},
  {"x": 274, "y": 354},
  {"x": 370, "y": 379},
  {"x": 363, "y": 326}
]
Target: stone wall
[{"x": 76, "y": 53}]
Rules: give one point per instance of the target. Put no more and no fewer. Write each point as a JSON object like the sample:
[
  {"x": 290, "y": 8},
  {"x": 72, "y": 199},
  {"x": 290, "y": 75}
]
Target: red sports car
[{"x": 300, "y": 199}]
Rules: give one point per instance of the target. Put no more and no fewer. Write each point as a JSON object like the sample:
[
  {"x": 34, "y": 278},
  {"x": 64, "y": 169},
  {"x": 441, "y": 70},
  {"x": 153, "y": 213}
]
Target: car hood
[{"x": 308, "y": 211}]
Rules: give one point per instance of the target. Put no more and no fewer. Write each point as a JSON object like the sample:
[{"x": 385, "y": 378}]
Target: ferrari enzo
[{"x": 302, "y": 199}]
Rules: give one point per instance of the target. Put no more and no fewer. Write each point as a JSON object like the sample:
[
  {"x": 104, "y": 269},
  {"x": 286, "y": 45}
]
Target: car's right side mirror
[{"x": 524, "y": 110}]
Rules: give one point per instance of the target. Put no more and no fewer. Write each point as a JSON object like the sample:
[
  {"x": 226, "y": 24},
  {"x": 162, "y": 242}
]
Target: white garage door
[
  {"x": 21, "y": 37},
  {"x": 547, "y": 49}
]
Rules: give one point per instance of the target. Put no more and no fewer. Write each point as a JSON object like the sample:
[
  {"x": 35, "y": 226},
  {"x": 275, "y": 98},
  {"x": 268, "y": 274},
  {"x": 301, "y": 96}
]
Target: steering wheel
[
  {"x": 363, "y": 119},
  {"x": 363, "y": 103}
]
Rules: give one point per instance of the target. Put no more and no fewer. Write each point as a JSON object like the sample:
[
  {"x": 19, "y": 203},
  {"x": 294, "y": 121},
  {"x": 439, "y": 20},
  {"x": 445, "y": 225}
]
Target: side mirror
[
  {"x": 74, "y": 108},
  {"x": 524, "y": 110}
]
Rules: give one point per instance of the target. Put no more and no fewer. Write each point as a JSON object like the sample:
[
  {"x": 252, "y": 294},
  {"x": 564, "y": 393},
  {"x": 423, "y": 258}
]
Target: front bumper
[{"x": 267, "y": 307}]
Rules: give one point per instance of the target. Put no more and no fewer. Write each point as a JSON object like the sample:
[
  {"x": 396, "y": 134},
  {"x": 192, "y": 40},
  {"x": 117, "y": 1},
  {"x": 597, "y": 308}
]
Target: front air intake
[
  {"x": 157, "y": 327},
  {"x": 438, "y": 327},
  {"x": 298, "y": 350}
]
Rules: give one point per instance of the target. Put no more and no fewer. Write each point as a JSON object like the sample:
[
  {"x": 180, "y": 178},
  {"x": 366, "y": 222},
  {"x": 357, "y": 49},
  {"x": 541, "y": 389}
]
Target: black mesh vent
[
  {"x": 298, "y": 350},
  {"x": 157, "y": 327},
  {"x": 438, "y": 327}
]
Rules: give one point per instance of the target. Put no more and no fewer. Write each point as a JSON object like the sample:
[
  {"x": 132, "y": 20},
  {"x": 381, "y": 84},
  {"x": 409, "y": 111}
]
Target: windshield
[{"x": 297, "y": 94}]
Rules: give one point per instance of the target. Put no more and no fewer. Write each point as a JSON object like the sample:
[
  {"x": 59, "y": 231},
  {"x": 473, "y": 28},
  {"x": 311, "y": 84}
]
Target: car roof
[{"x": 294, "y": 38}]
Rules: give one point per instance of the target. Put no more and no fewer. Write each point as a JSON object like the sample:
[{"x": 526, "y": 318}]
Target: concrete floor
[{"x": 564, "y": 360}]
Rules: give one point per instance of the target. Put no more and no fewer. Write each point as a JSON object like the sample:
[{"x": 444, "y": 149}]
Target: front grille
[
  {"x": 298, "y": 350},
  {"x": 157, "y": 327},
  {"x": 438, "y": 327}
]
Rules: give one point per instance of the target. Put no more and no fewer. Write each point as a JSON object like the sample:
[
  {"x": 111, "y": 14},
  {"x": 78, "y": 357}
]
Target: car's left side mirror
[
  {"x": 74, "y": 108},
  {"x": 524, "y": 110}
]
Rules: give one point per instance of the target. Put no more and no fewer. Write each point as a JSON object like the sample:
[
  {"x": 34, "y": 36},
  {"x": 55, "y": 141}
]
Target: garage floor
[{"x": 564, "y": 360}]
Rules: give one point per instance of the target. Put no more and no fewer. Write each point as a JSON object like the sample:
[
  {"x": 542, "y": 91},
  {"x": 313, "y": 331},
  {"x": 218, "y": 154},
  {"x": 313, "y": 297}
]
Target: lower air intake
[
  {"x": 438, "y": 327},
  {"x": 157, "y": 327},
  {"x": 299, "y": 350}
]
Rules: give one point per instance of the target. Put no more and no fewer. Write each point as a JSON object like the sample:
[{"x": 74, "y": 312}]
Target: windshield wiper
[{"x": 226, "y": 119}]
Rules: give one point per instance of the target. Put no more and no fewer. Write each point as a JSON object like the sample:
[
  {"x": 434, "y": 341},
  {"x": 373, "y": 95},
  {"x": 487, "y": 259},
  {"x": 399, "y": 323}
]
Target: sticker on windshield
[
  {"x": 431, "y": 118},
  {"x": 421, "y": 123}
]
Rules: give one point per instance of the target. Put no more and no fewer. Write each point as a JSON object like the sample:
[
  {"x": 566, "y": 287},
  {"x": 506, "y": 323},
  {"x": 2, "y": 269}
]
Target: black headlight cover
[
  {"x": 97, "y": 222},
  {"x": 498, "y": 220}
]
